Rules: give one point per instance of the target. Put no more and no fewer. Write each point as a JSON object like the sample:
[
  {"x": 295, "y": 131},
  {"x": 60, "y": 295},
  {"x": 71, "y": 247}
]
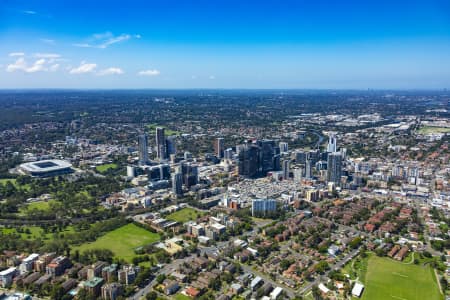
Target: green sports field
[
  {"x": 123, "y": 241},
  {"x": 389, "y": 279},
  {"x": 184, "y": 215},
  {"x": 433, "y": 129},
  {"x": 105, "y": 167}
]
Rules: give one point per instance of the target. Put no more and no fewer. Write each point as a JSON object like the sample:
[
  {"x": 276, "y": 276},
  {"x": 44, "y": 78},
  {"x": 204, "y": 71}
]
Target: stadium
[{"x": 45, "y": 168}]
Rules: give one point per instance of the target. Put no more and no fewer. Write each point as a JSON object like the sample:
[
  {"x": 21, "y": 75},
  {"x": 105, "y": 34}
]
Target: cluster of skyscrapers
[
  {"x": 164, "y": 146},
  {"x": 257, "y": 158}
]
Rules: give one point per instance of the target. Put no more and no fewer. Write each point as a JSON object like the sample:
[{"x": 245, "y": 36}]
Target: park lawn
[
  {"x": 105, "y": 167},
  {"x": 184, "y": 215},
  {"x": 167, "y": 132},
  {"x": 432, "y": 129},
  {"x": 122, "y": 241},
  {"x": 40, "y": 205},
  {"x": 389, "y": 279},
  {"x": 180, "y": 296}
]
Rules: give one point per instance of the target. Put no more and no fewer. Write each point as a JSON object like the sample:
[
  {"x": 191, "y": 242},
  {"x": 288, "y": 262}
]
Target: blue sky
[{"x": 225, "y": 44}]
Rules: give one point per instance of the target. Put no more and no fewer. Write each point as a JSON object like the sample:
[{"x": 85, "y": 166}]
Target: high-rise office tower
[
  {"x": 308, "y": 169},
  {"x": 228, "y": 153},
  {"x": 161, "y": 147},
  {"x": 170, "y": 146},
  {"x": 248, "y": 160},
  {"x": 266, "y": 156},
  {"x": 219, "y": 147},
  {"x": 283, "y": 147},
  {"x": 314, "y": 156},
  {"x": 158, "y": 172},
  {"x": 300, "y": 157},
  {"x": 177, "y": 184},
  {"x": 298, "y": 174},
  {"x": 276, "y": 162},
  {"x": 189, "y": 172},
  {"x": 286, "y": 169},
  {"x": 334, "y": 168},
  {"x": 187, "y": 155},
  {"x": 143, "y": 152},
  {"x": 332, "y": 143}
]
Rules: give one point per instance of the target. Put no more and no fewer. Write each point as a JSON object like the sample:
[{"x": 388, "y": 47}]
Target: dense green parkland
[
  {"x": 389, "y": 279},
  {"x": 14, "y": 182},
  {"x": 122, "y": 241},
  {"x": 34, "y": 232},
  {"x": 185, "y": 214},
  {"x": 6, "y": 180}
]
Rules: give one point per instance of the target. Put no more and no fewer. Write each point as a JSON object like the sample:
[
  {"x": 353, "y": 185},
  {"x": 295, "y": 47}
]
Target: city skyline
[{"x": 296, "y": 45}]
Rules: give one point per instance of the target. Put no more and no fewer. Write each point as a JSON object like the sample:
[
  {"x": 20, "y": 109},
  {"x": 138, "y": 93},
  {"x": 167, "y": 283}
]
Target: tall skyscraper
[
  {"x": 170, "y": 146},
  {"x": 334, "y": 168},
  {"x": 286, "y": 170},
  {"x": 266, "y": 156},
  {"x": 219, "y": 147},
  {"x": 258, "y": 158},
  {"x": 283, "y": 147},
  {"x": 228, "y": 153},
  {"x": 161, "y": 147},
  {"x": 248, "y": 160},
  {"x": 158, "y": 172},
  {"x": 189, "y": 172},
  {"x": 143, "y": 150},
  {"x": 177, "y": 184},
  {"x": 308, "y": 169},
  {"x": 298, "y": 174},
  {"x": 300, "y": 157},
  {"x": 332, "y": 143}
]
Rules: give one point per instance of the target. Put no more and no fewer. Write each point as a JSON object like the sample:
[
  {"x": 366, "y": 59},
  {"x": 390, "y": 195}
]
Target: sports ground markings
[
  {"x": 400, "y": 298},
  {"x": 398, "y": 274}
]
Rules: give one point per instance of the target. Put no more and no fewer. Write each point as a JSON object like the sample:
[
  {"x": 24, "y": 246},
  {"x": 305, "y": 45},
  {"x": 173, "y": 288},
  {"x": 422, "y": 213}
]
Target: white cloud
[
  {"x": 21, "y": 65},
  {"x": 102, "y": 36},
  {"x": 153, "y": 72},
  {"x": 110, "y": 71},
  {"x": 104, "y": 40},
  {"x": 18, "y": 65},
  {"x": 38, "y": 65},
  {"x": 48, "y": 41},
  {"x": 29, "y": 12},
  {"x": 212, "y": 77},
  {"x": 54, "y": 68},
  {"x": 83, "y": 68},
  {"x": 82, "y": 45},
  {"x": 12, "y": 54},
  {"x": 47, "y": 55}
]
